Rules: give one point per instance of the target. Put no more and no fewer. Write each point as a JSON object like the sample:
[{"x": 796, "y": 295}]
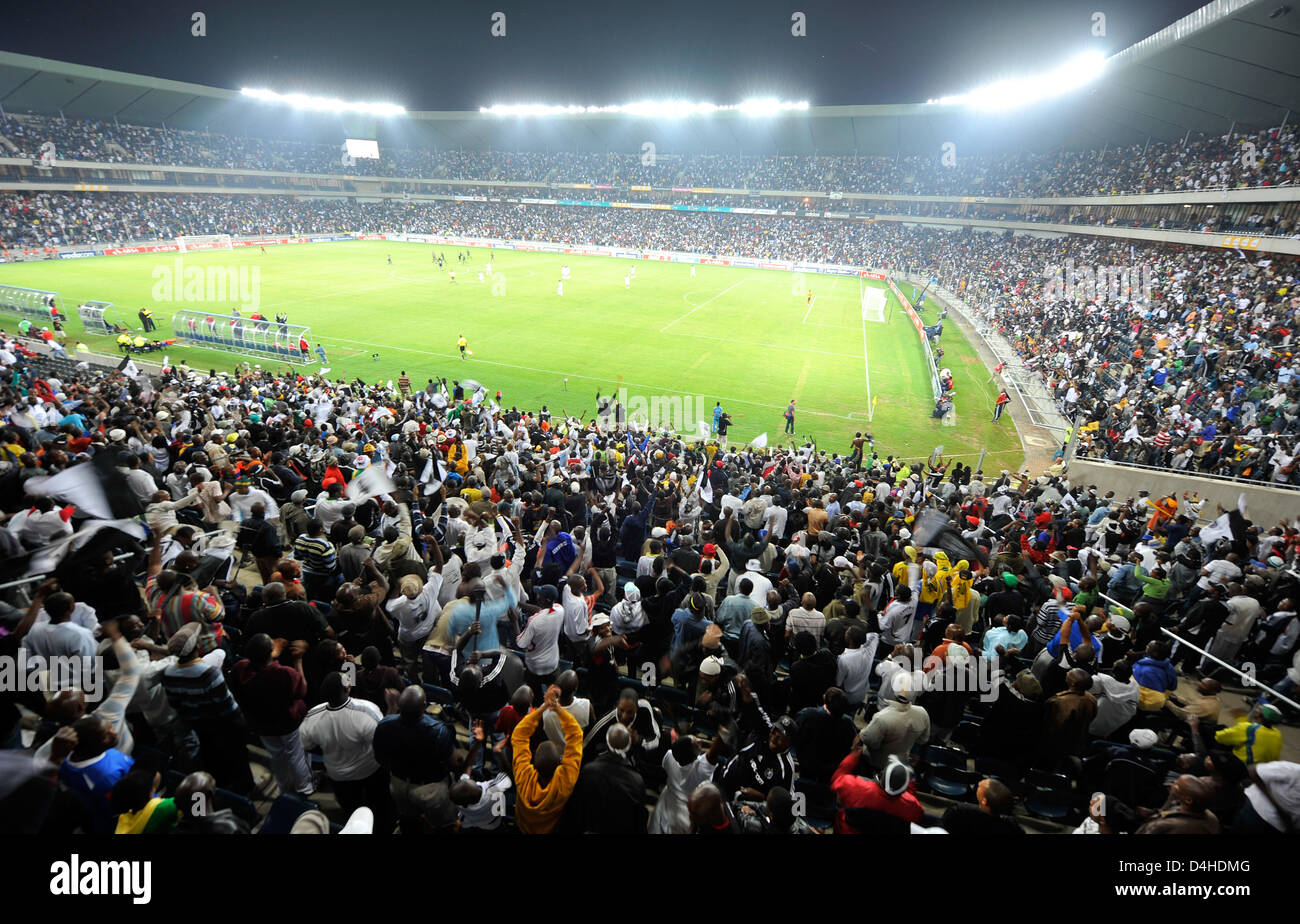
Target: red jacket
[{"x": 853, "y": 792}]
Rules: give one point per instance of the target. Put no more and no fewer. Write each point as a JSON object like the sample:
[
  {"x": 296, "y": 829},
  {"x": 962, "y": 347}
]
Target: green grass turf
[{"x": 745, "y": 337}]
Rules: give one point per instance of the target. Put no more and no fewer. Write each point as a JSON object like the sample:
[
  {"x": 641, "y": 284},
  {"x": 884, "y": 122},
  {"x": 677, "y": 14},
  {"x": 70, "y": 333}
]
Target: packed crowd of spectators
[
  {"x": 488, "y": 619},
  {"x": 1197, "y": 373},
  {"x": 1205, "y": 162},
  {"x": 1192, "y": 368}
]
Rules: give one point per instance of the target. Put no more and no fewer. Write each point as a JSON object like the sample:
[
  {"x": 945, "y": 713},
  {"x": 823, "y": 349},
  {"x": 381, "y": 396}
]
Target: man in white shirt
[
  {"x": 46, "y": 524},
  {"x": 416, "y": 610},
  {"x": 896, "y": 620},
  {"x": 59, "y": 636},
  {"x": 762, "y": 584},
  {"x": 540, "y": 641},
  {"x": 343, "y": 729},
  {"x": 853, "y": 673},
  {"x": 243, "y": 498},
  {"x": 774, "y": 519}
]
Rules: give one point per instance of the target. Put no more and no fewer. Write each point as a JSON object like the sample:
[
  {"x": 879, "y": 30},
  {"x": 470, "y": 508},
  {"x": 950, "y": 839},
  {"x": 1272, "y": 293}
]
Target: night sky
[{"x": 430, "y": 55}]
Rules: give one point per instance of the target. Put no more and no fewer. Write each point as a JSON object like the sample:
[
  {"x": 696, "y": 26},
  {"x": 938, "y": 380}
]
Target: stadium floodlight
[
  {"x": 1077, "y": 72},
  {"x": 323, "y": 103},
  {"x": 670, "y": 109}
]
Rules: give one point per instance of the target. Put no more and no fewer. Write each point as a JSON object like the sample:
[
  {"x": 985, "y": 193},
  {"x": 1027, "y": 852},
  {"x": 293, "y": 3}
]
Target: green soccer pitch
[{"x": 745, "y": 337}]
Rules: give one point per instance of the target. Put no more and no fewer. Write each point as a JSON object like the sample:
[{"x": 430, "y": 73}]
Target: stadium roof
[{"x": 1232, "y": 61}]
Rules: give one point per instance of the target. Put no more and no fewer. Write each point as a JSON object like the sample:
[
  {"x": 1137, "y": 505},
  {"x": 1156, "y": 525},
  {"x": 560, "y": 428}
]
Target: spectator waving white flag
[
  {"x": 434, "y": 473},
  {"x": 370, "y": 483},
  {"x": 706, "y": 487}
]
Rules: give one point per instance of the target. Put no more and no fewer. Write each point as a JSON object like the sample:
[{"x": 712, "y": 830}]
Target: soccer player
[
  {"x": 627, "y": 282},
  {"x": 1000, "y": 405},
  {"x": 489, "y": 267},
  {"x": 390, "y": 259},
  {"x": 810, "y": 298},
  {"x": 462, "y": 343},
  {"x": 559, "y": 287},
  {"x": 789, "y": 417},
  {"x": 692, "y": 270},
  {"x": 452, "y": 274}
]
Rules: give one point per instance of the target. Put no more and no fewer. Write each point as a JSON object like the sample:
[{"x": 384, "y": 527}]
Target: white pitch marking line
[
  {"x": 810, "y": 308},
  {"x": 664, "y": 329}
]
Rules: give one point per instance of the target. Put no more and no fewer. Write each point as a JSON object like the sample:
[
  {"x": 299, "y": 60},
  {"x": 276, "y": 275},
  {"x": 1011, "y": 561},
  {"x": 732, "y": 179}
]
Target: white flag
[
  {"x": 706, "y": 489},
  {"x": 434, "y": 473},
  {"x": 1217, "y": 530},
  {"x": 78, "y": 485},
  {"x": 704, "y": 430},
  {"x": 760, "y": 441},
  {"x": 370, "y": 483}
]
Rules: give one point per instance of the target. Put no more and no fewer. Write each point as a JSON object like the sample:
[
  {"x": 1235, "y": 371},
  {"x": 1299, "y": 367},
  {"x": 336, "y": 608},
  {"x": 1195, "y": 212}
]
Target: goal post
[
  {"x": 865, "y": 290},
  {"x": 192, "y": 242}
]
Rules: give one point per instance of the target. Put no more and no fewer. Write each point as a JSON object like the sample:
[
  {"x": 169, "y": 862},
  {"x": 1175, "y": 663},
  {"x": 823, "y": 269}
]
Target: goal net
[
  {"x": 190, "y": 242},
  {"x": 873, "y": 304}
]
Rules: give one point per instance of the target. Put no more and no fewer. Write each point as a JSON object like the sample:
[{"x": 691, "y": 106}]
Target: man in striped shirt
[
  {"x": 319, "y": 562},
  {"x": 196, "y": 689}
]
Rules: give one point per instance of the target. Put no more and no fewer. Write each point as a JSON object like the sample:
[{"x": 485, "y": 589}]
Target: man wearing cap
[
  {"x": 244, "y": 495},
  {"x": 755, "y": 655},
  {"x": 610, "y": 797},
  {"x": 197, "y": 690},
  {"x": 900, "y": 726},
  {"x": 416, "y": 610},
  {"x": 763, "y": 764},
  {"x": 1252, "y": 737},
  {"x": 863, "y": 799}
]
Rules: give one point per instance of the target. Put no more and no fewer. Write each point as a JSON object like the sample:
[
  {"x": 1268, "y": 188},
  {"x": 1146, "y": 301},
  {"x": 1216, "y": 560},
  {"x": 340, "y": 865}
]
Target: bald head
[
  {"x": 1195, "y": 793},
  {"x": 273, "y": 593},
  {"x": 545, "y": 761},
  {"x": 471, "y": 678},
  {"x": 412, "y": 703},
  {"x": 194, "y": 794},
  {"x": 706, "y": 806},
  {"x": 618, "y": 739},
  {"x": 1078, "y": 679}
]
